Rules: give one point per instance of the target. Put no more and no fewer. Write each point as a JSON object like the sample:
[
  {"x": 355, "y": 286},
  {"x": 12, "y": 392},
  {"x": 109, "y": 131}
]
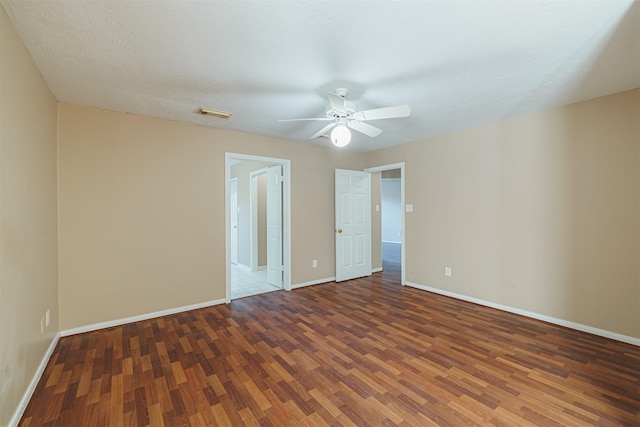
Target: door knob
[{"x": 339, "y": 230}]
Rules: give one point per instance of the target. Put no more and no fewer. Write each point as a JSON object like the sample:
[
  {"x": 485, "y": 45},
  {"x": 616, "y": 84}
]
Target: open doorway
[
  {"x": 261, "y": 227},
  {"x": 392, "y": 220},
  {"x": 258, "y": 219}
]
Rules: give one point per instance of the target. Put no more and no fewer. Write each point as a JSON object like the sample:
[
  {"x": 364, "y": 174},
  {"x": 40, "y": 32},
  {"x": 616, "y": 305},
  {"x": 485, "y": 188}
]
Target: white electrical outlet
[
  {"x": 47, "y": 318},
  {"x": 315, "y": 263},
  {"x": 447, "y": 271}
]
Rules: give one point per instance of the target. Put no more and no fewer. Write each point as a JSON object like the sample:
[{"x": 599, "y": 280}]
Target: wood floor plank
[{"x": 362, "y": 352}]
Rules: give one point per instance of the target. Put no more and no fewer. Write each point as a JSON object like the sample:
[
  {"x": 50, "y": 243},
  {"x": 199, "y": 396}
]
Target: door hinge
[
  {"x": 281, "y": 178},
  {"x": 282, "y": 268}
]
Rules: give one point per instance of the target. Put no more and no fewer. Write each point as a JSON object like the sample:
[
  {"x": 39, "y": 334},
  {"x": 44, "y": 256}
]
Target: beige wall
[
  {"x": 535, "y": 212},
  {"x": 539, "y": 212},
  {"x": 28, "y": 226},
  {"x": 141, "y": 205}
]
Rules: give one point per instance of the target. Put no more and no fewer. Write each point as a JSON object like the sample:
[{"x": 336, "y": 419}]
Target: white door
[
  {"x": 353, "y": 224},
  {"x": 274, "y": 225},
  {"x": 234, "y": 220}
]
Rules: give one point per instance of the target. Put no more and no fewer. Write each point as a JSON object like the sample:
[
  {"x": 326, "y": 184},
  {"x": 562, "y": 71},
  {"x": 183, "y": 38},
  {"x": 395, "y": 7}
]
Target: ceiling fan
[{"x": 344, "y": 116}]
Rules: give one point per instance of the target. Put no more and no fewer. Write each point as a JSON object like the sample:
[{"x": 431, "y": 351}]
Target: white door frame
[
  {"x": 402, "y": 203},
  {"x": 286, "y": 214}
]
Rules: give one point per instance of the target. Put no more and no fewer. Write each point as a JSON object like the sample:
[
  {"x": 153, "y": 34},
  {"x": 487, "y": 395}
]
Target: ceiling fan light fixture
[
  {"x": 340, "y": 136},
  {"x": 345, "y": 116}
]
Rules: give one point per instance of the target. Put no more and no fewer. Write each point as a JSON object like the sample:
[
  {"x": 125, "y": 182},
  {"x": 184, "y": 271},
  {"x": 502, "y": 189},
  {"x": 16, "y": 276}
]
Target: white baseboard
[
  {"x": 549, "y": 319},
  {"x": 376, "y": 270},
  {"x": 26, "y": 397},
  {"x": 313, "y": 282},
  {"x": 393, "y": 243},
  {"x": 118, "y": 322},
  {"x": 262, "y": 267}
]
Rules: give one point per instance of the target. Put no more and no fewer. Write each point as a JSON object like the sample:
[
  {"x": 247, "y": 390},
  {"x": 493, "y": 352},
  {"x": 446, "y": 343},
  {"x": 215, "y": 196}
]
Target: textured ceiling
[{"x": 456, "y": 63}]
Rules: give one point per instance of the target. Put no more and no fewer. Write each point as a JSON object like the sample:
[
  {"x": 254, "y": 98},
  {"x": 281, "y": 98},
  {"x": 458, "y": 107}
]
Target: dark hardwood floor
[
  {"x": 391, "y": 261},
  {"x": 362, "y": 352}
]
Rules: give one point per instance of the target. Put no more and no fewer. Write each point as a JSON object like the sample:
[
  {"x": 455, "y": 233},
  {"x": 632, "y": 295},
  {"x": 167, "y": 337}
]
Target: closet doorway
[{"x": 392, "y": 219}]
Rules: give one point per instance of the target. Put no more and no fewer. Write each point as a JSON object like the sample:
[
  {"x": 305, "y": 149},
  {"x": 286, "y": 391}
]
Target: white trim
[
  {"x": 26, "y": 397},
  {"x": 402, "y": 203},
  {"x": 313, "y": 282},
  {"x": 577, "y": 326},
  {"x": 376, "y": 270},
  {"x": 261, "y": 267},
  {"x": 147, "y": 316},
  {"x": 391, "y": 179},
  {"x": 389, "y": 241},
  {"x": 286, "y": 215},
  {"x": 383, "y": 168}
]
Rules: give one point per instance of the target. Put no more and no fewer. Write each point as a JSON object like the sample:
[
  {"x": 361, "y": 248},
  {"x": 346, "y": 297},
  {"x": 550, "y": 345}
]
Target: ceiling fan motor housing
[{"x": 350, "y": 108}]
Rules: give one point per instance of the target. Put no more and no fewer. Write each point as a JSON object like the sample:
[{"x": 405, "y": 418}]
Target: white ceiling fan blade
[
  {"x": 383, "y": 113},
  {"x": 365, "y": 128},
  {"x": 337, "y": 103},
  {"x": 299, "y": 120},
  {"x": 323, "y": 130}
]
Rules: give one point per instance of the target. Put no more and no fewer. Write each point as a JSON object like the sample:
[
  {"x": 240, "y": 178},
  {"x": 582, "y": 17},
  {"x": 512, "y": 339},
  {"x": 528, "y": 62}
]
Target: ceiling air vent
[{"x": 214, "y": 113}]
